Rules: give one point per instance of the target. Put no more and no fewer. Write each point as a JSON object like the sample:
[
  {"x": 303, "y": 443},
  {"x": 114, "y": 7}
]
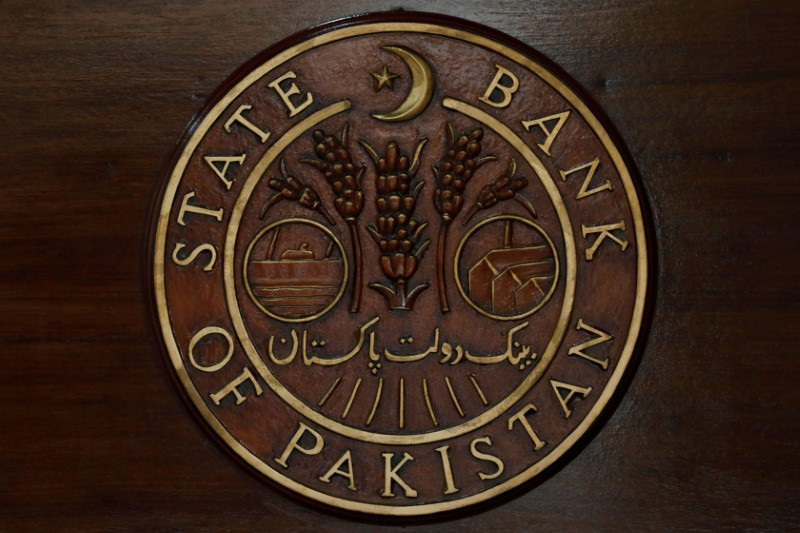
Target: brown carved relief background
[{"x": 94, "y": 100}]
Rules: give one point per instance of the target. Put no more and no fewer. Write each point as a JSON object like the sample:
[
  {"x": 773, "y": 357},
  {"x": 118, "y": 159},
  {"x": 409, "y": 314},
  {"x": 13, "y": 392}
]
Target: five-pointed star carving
[{"x": 386, "y": 78}]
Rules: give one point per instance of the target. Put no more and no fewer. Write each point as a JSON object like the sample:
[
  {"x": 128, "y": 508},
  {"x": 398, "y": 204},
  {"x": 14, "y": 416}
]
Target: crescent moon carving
[{"x": 421, "y": 91}]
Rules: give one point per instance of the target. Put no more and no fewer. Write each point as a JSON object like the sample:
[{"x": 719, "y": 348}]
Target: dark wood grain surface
[{"x": 95, "y": 96}]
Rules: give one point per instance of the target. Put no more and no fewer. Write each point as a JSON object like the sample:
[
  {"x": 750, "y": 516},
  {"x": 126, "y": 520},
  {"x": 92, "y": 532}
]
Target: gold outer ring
[{"x": 406, "y": 27}]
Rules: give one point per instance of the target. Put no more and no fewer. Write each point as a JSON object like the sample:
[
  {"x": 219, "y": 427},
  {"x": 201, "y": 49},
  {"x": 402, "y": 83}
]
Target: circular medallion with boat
[{"x": 400, "y": 264}]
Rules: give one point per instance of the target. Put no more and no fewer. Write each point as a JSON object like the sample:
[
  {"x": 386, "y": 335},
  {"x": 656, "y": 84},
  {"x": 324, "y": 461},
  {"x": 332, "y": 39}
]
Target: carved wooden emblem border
[{"x": 400, "y": 264}]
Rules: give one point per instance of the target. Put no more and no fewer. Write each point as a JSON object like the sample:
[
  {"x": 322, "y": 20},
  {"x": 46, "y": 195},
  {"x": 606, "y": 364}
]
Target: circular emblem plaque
[{"x": 399, "y": 264}]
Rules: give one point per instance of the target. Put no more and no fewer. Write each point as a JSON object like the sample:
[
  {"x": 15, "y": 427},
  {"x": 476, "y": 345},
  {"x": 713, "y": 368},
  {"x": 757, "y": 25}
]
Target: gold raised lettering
[
  {"x": 506, "y": 90},
  {"x": 202, "y": 334},
  {"x": 186, "y": 207},
  {"x": 222, "y": 171},
  {"x": 449, "y": 486},
  {"x": 521, "y": 417},
  {"x": 541, "y": 123},
  {"x": 601, "y": 337},
  {"x": 572, "y": 390},
  {"x": 294, "y": 444},
  {"x": 293, "y": 89},
  {"x": 477, "y": 454},
  {"x": 591, "y": 168},
  {"x": 390, "y": 475},
  {"x": 200, "y": 248},
  {"x": 604, "y": 231},
  {"x": 347, "y": 460},
  {"x": 238, "y": 118},
  {"x": 233, "y": 388}
]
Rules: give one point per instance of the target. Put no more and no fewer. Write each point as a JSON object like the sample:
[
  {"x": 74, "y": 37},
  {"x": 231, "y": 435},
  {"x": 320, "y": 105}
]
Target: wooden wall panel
[{"x": 94, "y": 96}]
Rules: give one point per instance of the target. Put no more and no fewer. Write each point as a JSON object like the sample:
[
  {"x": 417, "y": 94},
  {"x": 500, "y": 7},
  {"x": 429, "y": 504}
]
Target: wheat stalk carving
[
  {"x": 289, "y": 187},
  {"x": 396, "y": 232},
  {"x": 335, "y": 162},
  {"x": 460, "y": 161},
  {"x": 505, "y": 186}
]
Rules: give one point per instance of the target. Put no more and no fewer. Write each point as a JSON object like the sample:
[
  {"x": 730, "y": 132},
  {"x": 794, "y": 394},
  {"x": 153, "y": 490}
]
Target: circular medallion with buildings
[{"x": 400, "y": 265}]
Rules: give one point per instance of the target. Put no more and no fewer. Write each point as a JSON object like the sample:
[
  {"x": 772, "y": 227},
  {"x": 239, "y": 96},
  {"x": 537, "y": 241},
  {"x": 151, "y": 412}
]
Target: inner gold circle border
[
  {"x": 410, "y": 23},
  {"x": 325, "y": 231},
  {"x": 476, "y": 227},
  {"x": 387, "y": 438}
]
